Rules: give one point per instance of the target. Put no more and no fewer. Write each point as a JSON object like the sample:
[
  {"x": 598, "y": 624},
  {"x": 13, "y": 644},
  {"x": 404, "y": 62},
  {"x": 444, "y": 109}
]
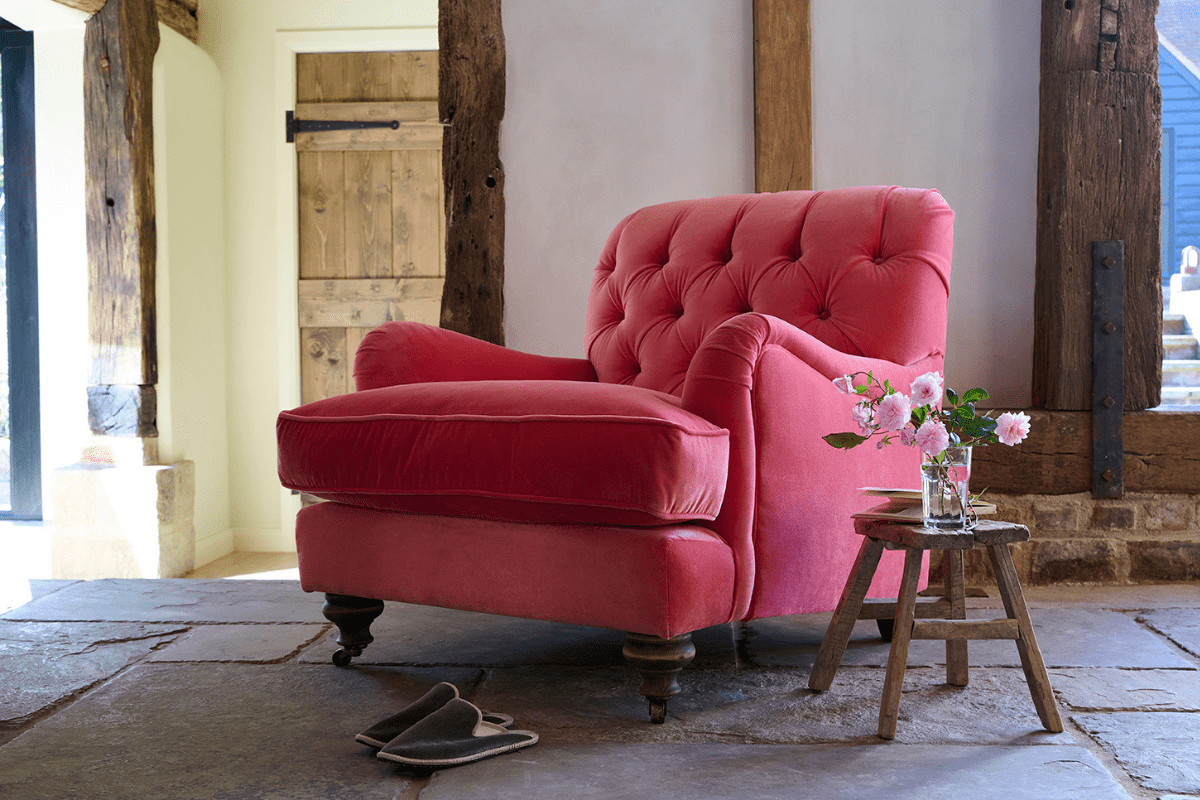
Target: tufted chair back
[{"x": 864, "y": 270}]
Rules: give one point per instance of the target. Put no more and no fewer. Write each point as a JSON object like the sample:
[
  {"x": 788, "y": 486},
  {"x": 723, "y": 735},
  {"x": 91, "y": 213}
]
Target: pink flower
[
  {"x": 907, "y": 437},
  {"x": 1011, "y": 428},
  {"x": 863, "y": 415},
  {"x": 893, "y": 413},
  {"x": 843, "y": 384},
  {"x": 927, "y": 389},
  {"x": 881, "y": 443},
  {"x": 932, "y": 437}
]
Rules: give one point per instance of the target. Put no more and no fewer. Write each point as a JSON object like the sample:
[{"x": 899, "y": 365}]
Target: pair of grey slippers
[{"x": 443, "y": 730}]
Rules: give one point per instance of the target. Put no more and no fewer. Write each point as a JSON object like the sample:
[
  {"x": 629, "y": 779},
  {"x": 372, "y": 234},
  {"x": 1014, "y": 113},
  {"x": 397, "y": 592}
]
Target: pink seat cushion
[{"x": 526, "y": 451}]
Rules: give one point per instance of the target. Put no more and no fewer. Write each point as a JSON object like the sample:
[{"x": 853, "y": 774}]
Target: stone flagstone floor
[{"x": 224, "y": 689}]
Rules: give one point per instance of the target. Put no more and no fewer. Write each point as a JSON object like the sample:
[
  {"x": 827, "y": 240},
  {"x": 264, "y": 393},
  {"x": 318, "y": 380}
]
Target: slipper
[
  {"x": 382, "y": 732},
  {"x": 454, "y": 734}
]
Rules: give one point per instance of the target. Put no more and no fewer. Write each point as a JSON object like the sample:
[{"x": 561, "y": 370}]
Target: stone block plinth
[{"x": 123, "y": 521}]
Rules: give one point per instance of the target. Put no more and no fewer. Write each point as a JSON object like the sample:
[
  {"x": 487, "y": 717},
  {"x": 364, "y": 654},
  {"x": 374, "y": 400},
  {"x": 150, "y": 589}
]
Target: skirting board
[{"x": 210, "y": 548}]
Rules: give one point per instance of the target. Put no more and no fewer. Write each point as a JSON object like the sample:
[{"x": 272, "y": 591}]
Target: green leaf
[
  {"x": 844, "y": 441},
  {"x": 952, "y": 397},
  {"x": 975, "y": 395}
]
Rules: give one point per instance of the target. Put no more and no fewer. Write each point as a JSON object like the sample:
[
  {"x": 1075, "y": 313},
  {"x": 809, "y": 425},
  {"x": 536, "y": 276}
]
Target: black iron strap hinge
[{"x": 295, "y": 126}]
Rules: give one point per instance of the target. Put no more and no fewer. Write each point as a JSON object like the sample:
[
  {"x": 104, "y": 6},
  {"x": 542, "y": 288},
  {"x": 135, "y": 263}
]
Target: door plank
[
  {"x": 368, "y": 215},
  {"x": 322, "y": 215},
  {"x": 417, "y": 230},
  {"x": 415, "y": 75},
  {"x": 324, "y": 366},
  {"x": 409, "y": 136},
  {"x": 368, "y": 302}
]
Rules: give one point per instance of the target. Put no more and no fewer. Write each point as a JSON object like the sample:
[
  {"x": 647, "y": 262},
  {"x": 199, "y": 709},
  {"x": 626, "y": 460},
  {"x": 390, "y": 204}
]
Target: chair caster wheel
[
  {"x": 886, "y": 628},
  {"x": 658, "y": 711},
  {"x": 341, "y": 658}
]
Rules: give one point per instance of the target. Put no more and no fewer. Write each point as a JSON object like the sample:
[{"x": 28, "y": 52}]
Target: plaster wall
[
  {"x": 610, "y": 107},
  {"x": 191, "y": 278},
  {"x": 251, "y": 42},
  {"x": 945, "y": 94}
]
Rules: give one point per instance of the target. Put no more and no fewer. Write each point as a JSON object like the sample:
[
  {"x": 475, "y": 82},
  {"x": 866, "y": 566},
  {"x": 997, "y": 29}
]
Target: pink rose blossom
[
  {"x": 907, "y": 437},
  {"x": 843, "y": 384},
  {"x": 927, "y": 389},
  {"x": 863, "y": 415},
  {"x": 1011, "y": 428},
  {"x": 932, "y": 437},
  {"x": 894, "y": 412}
]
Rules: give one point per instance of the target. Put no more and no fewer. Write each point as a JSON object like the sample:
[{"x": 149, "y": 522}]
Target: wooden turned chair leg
[
  {"x": 1031, "y": 655},
  {"x": 837, "y": 636},
  {"x": 956, "y": 649},
  {"x": 658, "y": 661},
  {"x": 889, "y": 707},
  {"x": 353, "y": 617}
]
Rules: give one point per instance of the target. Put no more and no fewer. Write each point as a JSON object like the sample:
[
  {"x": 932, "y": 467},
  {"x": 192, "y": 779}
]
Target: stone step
[
  {"x": 1181, "y": 395},
  {"x": 1173, "y": 324},
  {"x": 1183, "y": 372},
  {"x": 1179, "y": 347}
]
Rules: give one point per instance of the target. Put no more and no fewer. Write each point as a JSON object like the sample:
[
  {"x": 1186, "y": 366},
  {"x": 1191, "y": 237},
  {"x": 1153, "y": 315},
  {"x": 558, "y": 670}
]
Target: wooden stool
[{"x": 946, "y": 615}]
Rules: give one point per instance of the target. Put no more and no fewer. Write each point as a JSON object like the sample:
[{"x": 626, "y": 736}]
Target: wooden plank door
[{"x": 372, "y": 224}]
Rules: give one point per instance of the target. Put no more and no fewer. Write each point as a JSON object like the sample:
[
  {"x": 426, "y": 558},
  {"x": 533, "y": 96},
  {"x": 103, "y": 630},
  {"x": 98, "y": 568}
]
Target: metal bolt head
[
  {"x": 1107, "y": 402},
  {"x": 1108, "y": 475},
  {"x": 1108, "y": 262},
  {"x": 1108, "y": 327}
]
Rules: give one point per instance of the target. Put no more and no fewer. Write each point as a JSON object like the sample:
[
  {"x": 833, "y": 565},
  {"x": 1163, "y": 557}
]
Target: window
[{"x": 20, "y": 428}]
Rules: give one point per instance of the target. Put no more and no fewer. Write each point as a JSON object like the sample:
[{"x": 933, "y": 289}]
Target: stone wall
[{"x": 1077, "y": 539}]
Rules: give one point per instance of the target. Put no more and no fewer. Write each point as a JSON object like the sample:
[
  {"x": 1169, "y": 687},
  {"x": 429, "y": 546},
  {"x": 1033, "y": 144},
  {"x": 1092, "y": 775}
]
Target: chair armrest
[
  {"x": 412, "y": 352},
  {"x": 771, "y": 385}
]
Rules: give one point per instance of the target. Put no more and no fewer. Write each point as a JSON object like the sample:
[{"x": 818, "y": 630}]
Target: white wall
[
  {"x": 251, "y": 42},
  {"x": 191, "y": 290},
  {"x": 944, "y": 94},
  {"x": 610, "y": 107}
]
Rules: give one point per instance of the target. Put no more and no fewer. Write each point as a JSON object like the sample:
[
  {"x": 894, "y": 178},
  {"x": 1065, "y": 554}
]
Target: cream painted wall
[
  {"x": 610, "y": 107},
  {"x": 191, "y": 290},
  {"x": 251, "y": 42},
  {"x": 945, "y": 94},
  {"x": 604, "y": 116}
]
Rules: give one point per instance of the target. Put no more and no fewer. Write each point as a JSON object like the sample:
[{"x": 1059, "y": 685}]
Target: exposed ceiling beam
[{"x": 180, "y": 15}]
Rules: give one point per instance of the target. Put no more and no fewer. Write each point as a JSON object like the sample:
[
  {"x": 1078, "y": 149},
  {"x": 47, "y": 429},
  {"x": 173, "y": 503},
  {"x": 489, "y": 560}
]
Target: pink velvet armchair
[{"x": 675, "y": 478}]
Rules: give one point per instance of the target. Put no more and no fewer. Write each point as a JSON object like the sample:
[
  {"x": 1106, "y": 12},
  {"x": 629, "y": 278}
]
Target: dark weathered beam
[
  {"x": 1160, "y": 455},
  {"x": 782, "y": 96},
  {"x": 1098, "y": 180},
  {"x": 123, "y": 410},
  {"x": 119, "y": 45},
  {"x": 177, "y": 14},
  {"x": 471, "y": 105}
]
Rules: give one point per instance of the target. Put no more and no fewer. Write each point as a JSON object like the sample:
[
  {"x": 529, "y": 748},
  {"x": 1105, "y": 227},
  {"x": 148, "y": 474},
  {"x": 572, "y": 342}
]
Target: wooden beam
[
  {"x": 177, "y": 14},
  {"x": 1098, "y": 180},
  {"x": 119, "y": 45},
  {"x": 782, "y": 96},
  {"x": 1160, "y": 455},
  {"x": 471, "y": 105}
]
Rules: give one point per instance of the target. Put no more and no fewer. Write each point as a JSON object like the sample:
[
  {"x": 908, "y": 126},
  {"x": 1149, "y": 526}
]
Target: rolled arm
[
  {"x": 770, "y": 384},
  {"x": 412, "y": 352}
]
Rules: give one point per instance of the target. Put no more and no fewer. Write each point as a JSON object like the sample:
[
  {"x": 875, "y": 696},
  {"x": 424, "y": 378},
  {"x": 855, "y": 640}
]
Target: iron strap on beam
[
  {"x": 295, "y": 126},
  {"x": 1108, "y": 368}
]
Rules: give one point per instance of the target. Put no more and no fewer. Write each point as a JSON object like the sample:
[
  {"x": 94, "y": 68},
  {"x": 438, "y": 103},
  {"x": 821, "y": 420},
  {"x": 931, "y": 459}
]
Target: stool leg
[
  {"x": 956, "y": 649},
  {"x": 889, "y": 707},
  {"x": 837, "y": 636},
  {"x": 1031, "y": 656}
]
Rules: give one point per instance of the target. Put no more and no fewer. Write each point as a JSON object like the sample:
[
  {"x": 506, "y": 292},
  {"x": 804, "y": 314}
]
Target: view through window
[{"x": 1178, "y": 24}]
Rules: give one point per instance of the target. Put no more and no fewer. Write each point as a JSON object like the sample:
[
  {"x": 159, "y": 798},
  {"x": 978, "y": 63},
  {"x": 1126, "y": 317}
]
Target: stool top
[{"x": 988, "y": 531}]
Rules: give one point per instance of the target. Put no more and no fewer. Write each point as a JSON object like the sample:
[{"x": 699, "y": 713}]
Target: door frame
[{"x": 287, "y": 208}]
